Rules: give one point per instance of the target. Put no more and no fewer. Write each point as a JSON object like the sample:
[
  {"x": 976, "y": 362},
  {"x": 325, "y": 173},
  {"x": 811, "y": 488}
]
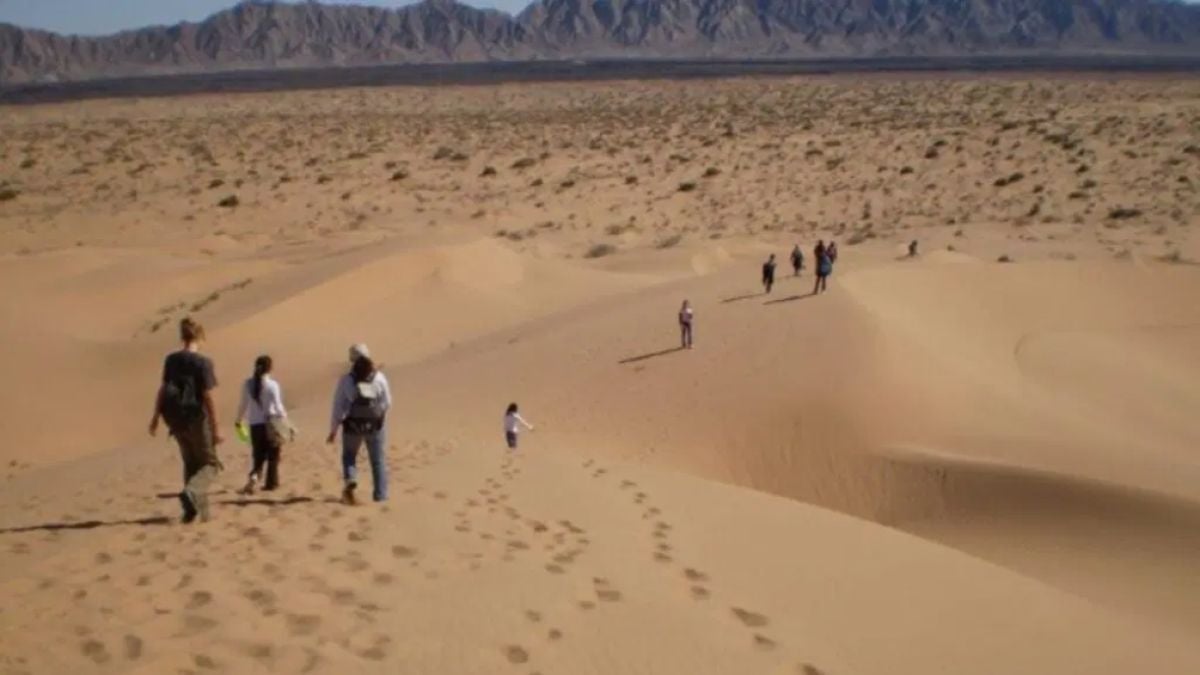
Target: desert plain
[{"x": 984, "y": 458}]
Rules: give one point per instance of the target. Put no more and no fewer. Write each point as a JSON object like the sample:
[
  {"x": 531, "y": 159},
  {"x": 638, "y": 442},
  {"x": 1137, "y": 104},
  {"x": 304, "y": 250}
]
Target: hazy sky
[{"x": 93, "y": 17}]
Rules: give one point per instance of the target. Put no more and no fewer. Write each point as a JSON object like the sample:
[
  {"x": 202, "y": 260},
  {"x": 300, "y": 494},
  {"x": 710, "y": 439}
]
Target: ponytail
[{"x": 262, "y": 366}]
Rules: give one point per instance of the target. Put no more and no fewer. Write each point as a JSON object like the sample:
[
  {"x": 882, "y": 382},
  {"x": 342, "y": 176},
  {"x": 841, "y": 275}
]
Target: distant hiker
[
  {"x": 262, "y": 408},
  {"x": 512, "y": 417},
  {"x": 184, "y": 401},
  {"x": 831, "y": 251},
  {"x": 912, "y": 248},
  {"x": 686, "y": 315},
  {"x": 824, "y": 269},
  {"x": 768, "y": 273},
  {"x": 360, "y": 405},
  {"x": 797, "y": 260},
  {"x": 819, "y": 250}
]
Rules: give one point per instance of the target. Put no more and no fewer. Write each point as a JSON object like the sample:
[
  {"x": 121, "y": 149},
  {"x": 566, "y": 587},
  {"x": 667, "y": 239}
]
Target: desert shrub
[
  {"x": 711, "y": 171},
  {"x": 488, "y": 171},
  {"x": 600, "y": 250},
  {"x": 399, "y": 175},
  {"x": 905, "y": 170},
  {"x": 1009, "y": 179},
  {"x": 670, "y": 242},
  {"x": 1004, "y": 259},
  {"x": 687, "y": 186},
  {"x": 1123, "y": 213},
  {"x": 8, "y": 194},
  {"x": 216, "y": 183},
  {"x": 229, "y": 202},
  {"x": 524, "y": 163}
]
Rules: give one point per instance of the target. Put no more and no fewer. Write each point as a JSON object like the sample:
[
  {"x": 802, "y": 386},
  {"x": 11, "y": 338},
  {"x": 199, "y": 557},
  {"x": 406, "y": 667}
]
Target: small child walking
[{"x": 512, "y": 423}]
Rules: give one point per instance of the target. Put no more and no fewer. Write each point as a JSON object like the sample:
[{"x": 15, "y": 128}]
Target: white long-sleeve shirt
[
  {"x": 269, "y": 404},
  {"x": 347, "y": 391},
  {"x": 511, "y": 420}
]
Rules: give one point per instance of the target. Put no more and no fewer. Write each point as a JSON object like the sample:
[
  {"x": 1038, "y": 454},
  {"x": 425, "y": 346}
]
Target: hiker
[
  {"x": 184, "y": 401},
  {"x": 824, "y": 269},
  {"x": 768, "y": 273},
  {"x": 819, "y": 251},
  {"x": 685, "y": 325},
  {"x": 831, "y": 251},
  {"x": 912, "y": 248},
  {"x": 797, "y": 260},
  {"x": 512, "y": 417},
  {"x": 262, "y": 408},
  {"x": 360, "y": 405}
]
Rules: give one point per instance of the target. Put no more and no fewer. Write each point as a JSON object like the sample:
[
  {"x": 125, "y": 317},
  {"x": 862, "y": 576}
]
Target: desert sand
[{"x": 984, "y": 459}]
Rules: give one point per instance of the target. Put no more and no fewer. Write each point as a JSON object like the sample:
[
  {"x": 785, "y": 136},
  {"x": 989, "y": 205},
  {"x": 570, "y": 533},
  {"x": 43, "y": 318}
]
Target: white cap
[{"x": 359, "y": 351}]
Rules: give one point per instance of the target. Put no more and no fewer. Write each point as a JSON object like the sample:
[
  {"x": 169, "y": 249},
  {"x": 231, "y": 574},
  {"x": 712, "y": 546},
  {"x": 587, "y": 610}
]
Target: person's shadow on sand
[
  {"x": 87, "y": 525},
  {"x": 651, "y": 355}
]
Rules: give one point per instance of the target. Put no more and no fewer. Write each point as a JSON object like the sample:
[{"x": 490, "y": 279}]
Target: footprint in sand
[
  {"x": 133, "y": 647},
  {"x": 750, "y": 619},
  {"x": 763, "y": 642},
  {"x": 203, "y": 661},
  {"x": 516, "y": 655},
  {"x": 555, "y": 569},
  {"x": 554, "y": 634},
  {"x": 198, "y": 600},
  {"x": 303, "y": 624},
  {"x": 95, "y": 650},
  {"x": 700, "y": 592},
  {"x": 403, "y": 552},
  {"x": 605, "y": 591},
  {"x": 809, "y": 669}
]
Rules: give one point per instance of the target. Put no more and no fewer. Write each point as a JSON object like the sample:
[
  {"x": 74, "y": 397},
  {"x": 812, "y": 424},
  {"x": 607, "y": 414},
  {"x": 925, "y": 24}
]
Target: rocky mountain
[{"x": 276, "y": 34}]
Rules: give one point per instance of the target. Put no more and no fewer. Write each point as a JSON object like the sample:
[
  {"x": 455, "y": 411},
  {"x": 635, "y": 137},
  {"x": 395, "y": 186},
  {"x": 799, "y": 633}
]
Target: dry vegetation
[{"x": 1071, "y": 160}]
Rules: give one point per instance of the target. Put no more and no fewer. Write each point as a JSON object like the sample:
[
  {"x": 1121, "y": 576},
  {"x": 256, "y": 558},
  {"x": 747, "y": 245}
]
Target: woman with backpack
[
  {"x": 360, "y": 405},
  {"x": 185, "y": 402},
  {"x": 262, "y": 407}
]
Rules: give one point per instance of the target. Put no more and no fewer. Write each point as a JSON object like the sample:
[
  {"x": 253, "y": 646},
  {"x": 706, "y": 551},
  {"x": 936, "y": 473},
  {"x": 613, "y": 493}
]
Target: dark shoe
[
  {"x": 189, "y": 507},
  {"x": 348, "y": 493}
]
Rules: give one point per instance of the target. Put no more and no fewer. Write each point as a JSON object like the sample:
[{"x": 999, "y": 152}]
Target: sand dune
[{"x": 944, "y": 464}]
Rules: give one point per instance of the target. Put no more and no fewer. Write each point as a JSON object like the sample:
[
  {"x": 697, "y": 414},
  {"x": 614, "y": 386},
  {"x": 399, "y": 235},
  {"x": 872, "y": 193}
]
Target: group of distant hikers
[
  {"x": 825, "y": 256},
  {"x": 361, "y": 402}
]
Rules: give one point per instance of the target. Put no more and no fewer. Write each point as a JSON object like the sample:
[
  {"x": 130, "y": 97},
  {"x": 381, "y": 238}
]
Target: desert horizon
[{"x": 978, "y": 458}]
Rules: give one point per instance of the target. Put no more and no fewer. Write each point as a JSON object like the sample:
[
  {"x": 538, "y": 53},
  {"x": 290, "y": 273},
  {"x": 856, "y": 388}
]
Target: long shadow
[
  {"x": 790, "y": 298},
  {"x": 739, "y": 298},
  {"x": 651, "y": 355},
  {"x": 87, "y": 525},
  {"x": 287, "y": 501}
]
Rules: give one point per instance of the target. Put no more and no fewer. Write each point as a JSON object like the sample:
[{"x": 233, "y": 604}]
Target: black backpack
[
  {"x": 179, "y": 403},
  {"x": 365, "y": 415}
]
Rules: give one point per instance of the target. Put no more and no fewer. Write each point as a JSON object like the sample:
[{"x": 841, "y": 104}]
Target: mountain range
[{"x": 258, "y": 35}]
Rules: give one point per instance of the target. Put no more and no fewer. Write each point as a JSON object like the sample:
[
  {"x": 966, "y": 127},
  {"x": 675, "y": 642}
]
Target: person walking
[
  {"x": 797, "y": 260},
  {"x": 360, "y": 405},
  {"x": 768, "y": 273},
  {"x": 686, "y": 316},
  {"x": 824, "y": 269},
  {"x": 262, "y": 408},
  {"x": 512, "y": 418},
  {"x": 832, "y": 252},
  {"x": 185, "y": 402}
]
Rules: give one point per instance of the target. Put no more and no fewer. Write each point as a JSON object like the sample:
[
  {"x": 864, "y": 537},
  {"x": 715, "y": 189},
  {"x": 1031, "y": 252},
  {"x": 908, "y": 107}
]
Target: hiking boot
[
  {"x": 250, "y": 485},
  {"x": 189, "y": 507},
  {"x": 348, "y": 493}
]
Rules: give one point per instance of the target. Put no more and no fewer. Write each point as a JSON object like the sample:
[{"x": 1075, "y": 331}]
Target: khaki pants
[{"x": 200, "y": 462}]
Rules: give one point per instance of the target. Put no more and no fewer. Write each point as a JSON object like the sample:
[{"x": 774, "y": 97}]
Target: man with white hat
[{"x": 360, "y": 405}]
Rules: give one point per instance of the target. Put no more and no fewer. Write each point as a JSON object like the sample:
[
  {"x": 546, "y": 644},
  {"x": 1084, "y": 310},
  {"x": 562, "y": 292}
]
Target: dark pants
[
  {"x": 510, "y": 437},
  {"x": 821, "y": 278},
  {"x": 768, "y": 281},
  {"x": 685, "y": 335},
  {"x": 797, "y": 265},
  {"x": 200, "y": 462},
  {"x": 264, "y": 453}
]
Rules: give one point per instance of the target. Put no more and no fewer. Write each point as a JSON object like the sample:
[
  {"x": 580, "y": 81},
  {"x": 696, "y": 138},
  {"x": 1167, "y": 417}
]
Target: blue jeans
[{"x": 376, "y": 442}]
